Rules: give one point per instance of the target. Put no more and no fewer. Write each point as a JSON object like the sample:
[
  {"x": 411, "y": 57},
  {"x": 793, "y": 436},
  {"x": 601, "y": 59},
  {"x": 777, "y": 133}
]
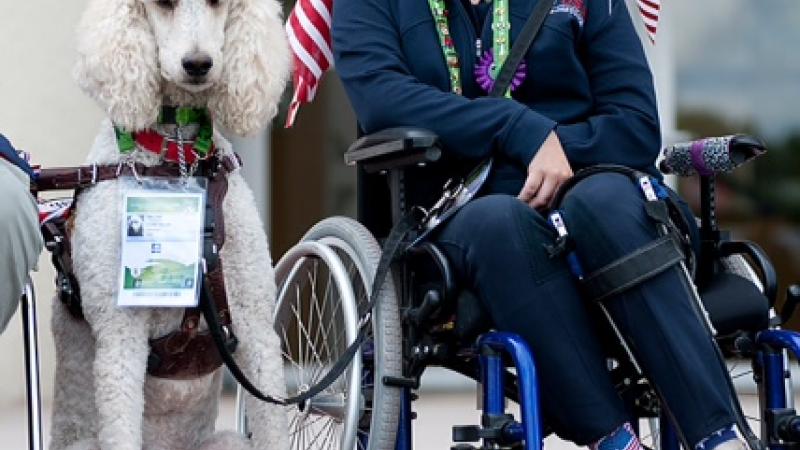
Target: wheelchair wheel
[
  {"x": 316, "y": 319},
  {"x": 382, "y": 352}
]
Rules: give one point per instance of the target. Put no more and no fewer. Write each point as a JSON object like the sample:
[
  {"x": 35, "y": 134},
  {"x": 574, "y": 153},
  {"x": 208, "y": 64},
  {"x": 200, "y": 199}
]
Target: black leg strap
[{"x": 633, "y": 268}]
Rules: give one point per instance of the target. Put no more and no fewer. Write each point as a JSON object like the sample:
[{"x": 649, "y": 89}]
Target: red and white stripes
[
  {"x": 650, "y": 10},
  {"x": 309, "y": 31}
]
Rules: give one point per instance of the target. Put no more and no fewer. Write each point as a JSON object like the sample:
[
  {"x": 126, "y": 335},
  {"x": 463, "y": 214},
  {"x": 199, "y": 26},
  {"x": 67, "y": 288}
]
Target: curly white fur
[
  {"x": 123, "y": 66},
  {"x": 104, "y": 399}
]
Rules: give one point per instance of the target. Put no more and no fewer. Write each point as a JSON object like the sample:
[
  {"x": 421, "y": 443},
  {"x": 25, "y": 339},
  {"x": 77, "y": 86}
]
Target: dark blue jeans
[{"x": 495, "y": 244}]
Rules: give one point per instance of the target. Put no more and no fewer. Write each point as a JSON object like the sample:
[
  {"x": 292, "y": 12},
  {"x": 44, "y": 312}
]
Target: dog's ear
[
  {"x": 255, "y": 67},
  {"x": 118, "y": 62}
]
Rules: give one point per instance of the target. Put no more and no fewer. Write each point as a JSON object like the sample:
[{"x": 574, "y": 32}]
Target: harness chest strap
[
  {"x": 69, "y": 178},
  {"x": 186, "y": 353}
]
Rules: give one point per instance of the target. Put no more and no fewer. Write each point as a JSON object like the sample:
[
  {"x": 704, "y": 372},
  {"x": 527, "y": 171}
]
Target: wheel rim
[
  {"x": 316, "y": 320},
  {"x": 361, "y": 289}
]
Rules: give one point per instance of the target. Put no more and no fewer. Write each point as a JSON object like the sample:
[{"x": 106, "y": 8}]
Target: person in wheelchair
[
  {"x": 20, "y": 240},
  {"x": 584, "y": 97}
]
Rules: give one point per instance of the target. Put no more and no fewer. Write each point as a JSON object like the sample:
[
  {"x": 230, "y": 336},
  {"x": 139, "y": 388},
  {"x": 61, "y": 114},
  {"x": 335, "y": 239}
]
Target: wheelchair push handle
[{"x": 710, "y": 156}]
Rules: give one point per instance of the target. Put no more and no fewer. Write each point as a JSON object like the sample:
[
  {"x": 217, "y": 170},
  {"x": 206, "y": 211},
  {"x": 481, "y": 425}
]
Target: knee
[
  {"x": 496, "y": 215},
  {"x": 606, "y": 197},
  {"x": 495, "y": 221}
]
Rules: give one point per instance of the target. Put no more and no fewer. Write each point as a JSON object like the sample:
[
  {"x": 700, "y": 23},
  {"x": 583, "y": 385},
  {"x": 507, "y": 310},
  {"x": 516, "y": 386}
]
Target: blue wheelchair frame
[
  {"x": 393, "y": 151},
  {"x": 769, "y": 368}
]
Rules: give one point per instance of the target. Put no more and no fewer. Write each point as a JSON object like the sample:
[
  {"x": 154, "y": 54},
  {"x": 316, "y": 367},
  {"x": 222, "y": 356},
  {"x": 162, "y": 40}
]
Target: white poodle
[{"x": 230, "y": 56}]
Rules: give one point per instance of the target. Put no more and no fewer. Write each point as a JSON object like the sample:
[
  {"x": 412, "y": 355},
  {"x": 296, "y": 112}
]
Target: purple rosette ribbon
[{"x": 485, "y": 67}]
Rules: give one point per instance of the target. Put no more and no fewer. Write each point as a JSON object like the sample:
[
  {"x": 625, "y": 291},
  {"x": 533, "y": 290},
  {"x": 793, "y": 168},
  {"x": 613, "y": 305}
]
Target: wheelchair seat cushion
[{"x": 735, "y": 304}]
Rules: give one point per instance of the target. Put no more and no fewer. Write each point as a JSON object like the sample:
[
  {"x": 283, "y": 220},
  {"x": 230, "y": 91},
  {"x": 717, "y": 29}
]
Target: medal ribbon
[{"x": 501, "y": 41}]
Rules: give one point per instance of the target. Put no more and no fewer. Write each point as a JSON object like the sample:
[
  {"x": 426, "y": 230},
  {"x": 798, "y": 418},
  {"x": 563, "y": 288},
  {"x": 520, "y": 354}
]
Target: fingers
[
  {"x": 545, "y": 193},
  {"x": 541, "y": 187},
  {"x": 532, "y": 184},
  {"x": 475, "y": 2}
]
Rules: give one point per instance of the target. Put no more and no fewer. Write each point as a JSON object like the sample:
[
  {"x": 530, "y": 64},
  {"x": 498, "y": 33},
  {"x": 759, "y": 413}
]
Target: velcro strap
[{"x": 633, "y": 269}]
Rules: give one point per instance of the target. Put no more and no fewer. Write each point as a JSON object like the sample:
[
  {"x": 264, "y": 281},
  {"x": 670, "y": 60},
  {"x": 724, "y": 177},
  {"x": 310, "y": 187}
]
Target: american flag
[
  {"x": 650, "y": 10},
  {"x": 309, "y": 31}
]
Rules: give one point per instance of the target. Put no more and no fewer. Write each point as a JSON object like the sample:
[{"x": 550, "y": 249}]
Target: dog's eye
[
  {"x": 213, "y": 2},
  {"x": 166, "y": 4}
]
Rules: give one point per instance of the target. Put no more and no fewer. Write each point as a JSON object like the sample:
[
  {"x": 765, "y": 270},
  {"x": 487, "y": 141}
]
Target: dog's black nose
[{"x": 197, "y": 64}]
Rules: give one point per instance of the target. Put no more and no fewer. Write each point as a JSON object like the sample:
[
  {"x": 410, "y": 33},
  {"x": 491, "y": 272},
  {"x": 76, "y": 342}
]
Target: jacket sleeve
[
  {"x": 370, "y": 61},
  {"x": 623, "y": 128},
  {"x": 9, "y": 153}
]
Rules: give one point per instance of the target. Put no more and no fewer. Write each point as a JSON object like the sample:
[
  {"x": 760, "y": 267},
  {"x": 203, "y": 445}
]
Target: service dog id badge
[{"x": 162, "y": 237}]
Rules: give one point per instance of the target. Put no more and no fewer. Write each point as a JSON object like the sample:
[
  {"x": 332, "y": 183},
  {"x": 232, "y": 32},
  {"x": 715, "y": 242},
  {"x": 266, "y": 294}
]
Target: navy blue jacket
[{"x": 587, "y": 79}]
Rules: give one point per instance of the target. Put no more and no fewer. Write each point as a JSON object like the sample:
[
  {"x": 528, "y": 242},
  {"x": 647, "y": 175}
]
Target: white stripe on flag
[
  {"x": 647, "y": 8},
  {"x": 322, "y": 9},
  {"x": 301, "y": 53},
  {"x": 313, "y": 33}
]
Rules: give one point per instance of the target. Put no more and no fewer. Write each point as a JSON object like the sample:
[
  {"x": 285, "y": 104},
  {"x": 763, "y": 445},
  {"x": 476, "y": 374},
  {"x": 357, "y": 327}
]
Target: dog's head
[{"x": 228, "y": 55}]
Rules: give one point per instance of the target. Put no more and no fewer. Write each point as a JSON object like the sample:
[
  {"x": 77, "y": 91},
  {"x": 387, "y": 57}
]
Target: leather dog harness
[{"x": 187, "y": 352}]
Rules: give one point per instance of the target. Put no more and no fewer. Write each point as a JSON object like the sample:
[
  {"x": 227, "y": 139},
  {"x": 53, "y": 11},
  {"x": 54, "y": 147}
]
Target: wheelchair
[{"x": 424, "y": 319}]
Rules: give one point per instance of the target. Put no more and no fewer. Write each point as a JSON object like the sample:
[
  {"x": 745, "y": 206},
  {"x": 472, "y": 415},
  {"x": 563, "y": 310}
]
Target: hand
[
  {"x": 477, "y": 2},
  {"x": 548, "y": 170}
]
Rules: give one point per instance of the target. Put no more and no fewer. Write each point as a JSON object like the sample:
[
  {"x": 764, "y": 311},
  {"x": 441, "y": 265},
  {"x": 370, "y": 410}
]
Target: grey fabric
[{"x": 20, "y": 240}]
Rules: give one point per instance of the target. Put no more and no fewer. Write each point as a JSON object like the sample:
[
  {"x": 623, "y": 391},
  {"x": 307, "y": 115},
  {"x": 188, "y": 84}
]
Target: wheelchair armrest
[
  {"x": 768, "y": 275},
  {"x": 394, "y": 148}
]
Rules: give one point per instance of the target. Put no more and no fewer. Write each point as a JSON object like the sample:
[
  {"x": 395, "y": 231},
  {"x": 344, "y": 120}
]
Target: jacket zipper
[{"x": 472, "y": 26}]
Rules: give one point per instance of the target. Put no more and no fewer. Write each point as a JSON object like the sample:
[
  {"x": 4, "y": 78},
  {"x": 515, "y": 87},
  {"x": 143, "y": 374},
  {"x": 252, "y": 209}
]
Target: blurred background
[{"x": 721, "y": 66}]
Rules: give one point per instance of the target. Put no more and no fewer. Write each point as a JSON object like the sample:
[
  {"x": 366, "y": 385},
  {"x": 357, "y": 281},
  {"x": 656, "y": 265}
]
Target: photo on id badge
[{"x": 160, "y": 248}]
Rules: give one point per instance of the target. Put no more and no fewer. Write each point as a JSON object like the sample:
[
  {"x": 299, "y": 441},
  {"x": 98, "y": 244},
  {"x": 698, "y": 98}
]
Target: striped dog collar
[{"x": 167, "y": 146}]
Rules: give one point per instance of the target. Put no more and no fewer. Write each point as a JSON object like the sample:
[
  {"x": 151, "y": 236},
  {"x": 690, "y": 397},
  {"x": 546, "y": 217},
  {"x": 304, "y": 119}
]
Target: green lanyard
[{"x": 501, "y": 29}]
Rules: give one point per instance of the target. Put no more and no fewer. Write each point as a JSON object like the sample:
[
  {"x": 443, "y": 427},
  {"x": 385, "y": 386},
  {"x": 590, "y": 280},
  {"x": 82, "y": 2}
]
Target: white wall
[{"x": 43, "y": 112}]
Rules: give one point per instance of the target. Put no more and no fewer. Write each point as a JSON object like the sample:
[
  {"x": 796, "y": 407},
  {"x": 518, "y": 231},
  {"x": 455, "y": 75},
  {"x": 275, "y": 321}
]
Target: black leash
[{"x": 392, "y": 248}]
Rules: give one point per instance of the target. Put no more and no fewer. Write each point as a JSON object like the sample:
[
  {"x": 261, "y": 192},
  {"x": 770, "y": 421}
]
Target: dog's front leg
[
  {"x": 251, "y": 288},
  {"x": 119, "y": 372}
]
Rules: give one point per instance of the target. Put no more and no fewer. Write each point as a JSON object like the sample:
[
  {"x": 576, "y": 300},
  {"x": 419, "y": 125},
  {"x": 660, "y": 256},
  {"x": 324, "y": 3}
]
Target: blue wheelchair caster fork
[
  {"x": 781, "y": 424},
  {"x": 491, "y": 347}
]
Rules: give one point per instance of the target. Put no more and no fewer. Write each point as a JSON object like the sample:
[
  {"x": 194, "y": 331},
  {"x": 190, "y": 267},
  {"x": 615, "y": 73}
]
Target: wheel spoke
[
  {"x": 319, "y": 434},
  {"x": 329, "y": 434},
  {"x": 308, "y": 424},
  {"x": 312, "y": 353},
  {"x": 322, "y": 316}
]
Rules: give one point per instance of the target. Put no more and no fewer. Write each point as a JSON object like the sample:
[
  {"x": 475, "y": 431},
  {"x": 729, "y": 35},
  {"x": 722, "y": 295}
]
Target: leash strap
[
  {"x": 520, "y": 48},
  {"x": 392, "y": 248}
]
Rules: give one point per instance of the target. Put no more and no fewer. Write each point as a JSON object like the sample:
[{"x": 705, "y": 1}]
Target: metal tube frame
[
  {"x": 32, "y": 373},
  {"x": 770, "y": 365},
  {"x": 527, "y": 380},
  {"x": 404, "y": 439}
]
